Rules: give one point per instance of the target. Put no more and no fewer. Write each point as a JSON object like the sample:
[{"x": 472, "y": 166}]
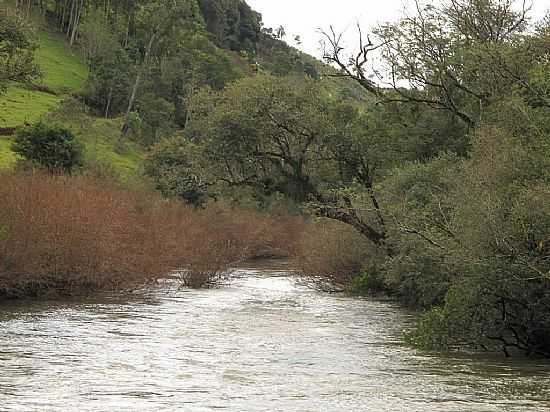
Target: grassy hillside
[
  {"x": 64, "y": 70},
  {"x": 20, "y": 105},
  {"x": 7, "y": 157},
  {"x": 64, "y": 73},
  {"x": 100, "y": 138}
]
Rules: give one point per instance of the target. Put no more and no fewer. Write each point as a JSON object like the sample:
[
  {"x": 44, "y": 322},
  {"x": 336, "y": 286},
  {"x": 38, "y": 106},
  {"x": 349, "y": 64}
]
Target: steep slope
[{"x": 64, "y": 72}]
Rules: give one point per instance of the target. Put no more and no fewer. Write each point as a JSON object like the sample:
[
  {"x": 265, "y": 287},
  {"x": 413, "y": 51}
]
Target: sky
[{"x": 305, "y": 17}]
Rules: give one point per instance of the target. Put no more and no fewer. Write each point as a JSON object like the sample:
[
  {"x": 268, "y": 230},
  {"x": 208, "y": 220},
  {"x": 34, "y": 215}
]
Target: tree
[
  {"x": 173, "y": 167},
  {"x": 285, "y": 135},
  {"x": 197, "y": 63},
  {"x": 159, "y": 25},
  {"x": 17, "y": 48},
  {"x": 449, "y": 56},
  {"x": 54, "y": 148},
  {"x": 233, "y": 23},
  {"x": 110, "y": 79}
]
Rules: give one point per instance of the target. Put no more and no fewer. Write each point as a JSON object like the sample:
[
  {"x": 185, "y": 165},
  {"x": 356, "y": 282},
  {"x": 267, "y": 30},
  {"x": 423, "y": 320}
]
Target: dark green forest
[{"x": 418, "y": 162}]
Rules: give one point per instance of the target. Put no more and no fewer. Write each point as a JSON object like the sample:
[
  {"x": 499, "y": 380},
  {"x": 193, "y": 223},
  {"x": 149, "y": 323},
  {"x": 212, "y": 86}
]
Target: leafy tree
[
  {"x": 111, "y": 73},
  {"x": 159, "y": 25},
  {"x": 173, "y": 168},
  {"x": 17, "y": 48},
  {"x": 157, "y": 118},
  {"x": 452, "y": 56},
  {"x": 233, "y": 23},
  {"x": 54, "y": 148},
  {"x": 285, "y": 135},
  {"x": 197, "y": 63}
]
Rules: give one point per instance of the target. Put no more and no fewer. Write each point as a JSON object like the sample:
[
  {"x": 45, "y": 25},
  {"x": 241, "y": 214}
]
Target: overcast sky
[{"x": 304, "y": 17}]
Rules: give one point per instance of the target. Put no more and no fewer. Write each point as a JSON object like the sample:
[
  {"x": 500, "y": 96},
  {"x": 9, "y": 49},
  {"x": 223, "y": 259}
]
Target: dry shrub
[
  {"x": 77, "y": 234},
  {"x": 331, "y": 253},
  {"x": 223, "y": 236}
]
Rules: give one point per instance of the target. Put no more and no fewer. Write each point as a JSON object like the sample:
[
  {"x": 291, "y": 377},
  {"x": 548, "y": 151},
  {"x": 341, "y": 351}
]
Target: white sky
[{"x": 305, "y": 17}]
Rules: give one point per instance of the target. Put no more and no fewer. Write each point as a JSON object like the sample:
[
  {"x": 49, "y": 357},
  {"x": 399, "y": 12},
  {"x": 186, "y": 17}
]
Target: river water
[{"x": 262, "y": 343}]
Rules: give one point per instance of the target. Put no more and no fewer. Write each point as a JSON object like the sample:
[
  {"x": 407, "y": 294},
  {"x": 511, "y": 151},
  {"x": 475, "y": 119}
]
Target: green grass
[
  {"x": 64, "y": 72},
  {"x": 20, "y": 105},
  {"x": 100, "y": 141},
  {"x": 99, "y": 137},
  {"x": 63, "y": 69},
  {"x": 7, "y": 157}
]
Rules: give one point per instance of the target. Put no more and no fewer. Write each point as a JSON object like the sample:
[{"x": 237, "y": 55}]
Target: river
[{"x": 263, "y": 342}]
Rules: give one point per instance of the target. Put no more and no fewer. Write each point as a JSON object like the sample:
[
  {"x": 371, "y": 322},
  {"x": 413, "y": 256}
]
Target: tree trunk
[
  {"x": 330, "y": 209},
  {"x": 77, "y": 21},
  {"x": 109, "y": 99},
  {"x": 131, "y": 101},
  {"x": 71, "y": 18}
]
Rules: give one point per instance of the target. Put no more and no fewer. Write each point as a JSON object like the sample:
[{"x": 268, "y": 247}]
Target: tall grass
[{"x": 69, "y": 235}]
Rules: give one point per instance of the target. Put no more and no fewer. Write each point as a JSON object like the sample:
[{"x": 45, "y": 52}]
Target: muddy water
[{"x": 262, "y": 343}]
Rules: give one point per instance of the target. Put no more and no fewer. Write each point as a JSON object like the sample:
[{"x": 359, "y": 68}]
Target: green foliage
[
  {"x": 268, "y": 132},
  {"x": 472, "y": 241},
  {"x": 432, "y": 331},
  {"x": 7, "y": 157},
  {"x": 17, "y": 61},
  {"x": 172, "y": 167},
  {"x": 20, "y": 105},
  {"x": 51, "y": 147},
  {"x": 62, "y": 71},
  {"x": 100, "y": 138},
  {"x": 156, "y": 115},
  {"x": 233, "y": 24},
  {"x": 108, "y": 86},
  {"x": 369, "y": 281}
]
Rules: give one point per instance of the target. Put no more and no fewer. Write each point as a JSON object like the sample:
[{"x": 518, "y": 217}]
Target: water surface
[{"x": 262, "y": 343}]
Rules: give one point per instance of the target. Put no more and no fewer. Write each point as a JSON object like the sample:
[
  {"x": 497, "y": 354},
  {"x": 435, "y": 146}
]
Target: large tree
[
  {"x": 285, "y": 135},
  {"x": 451, "y": 55}
]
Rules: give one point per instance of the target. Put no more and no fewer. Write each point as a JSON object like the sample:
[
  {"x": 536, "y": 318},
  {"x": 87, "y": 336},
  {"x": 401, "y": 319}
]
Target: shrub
[
  {"x": 67, "y": 235},
  {"x": 170, "y": 164},
  {"x": 493, "y": 270},
  {"x": 224, "y": 236},
  {"x": 370, "y": 281},
  {"x": 51, "y": 147},
  {"x": 333, "y": 254}
]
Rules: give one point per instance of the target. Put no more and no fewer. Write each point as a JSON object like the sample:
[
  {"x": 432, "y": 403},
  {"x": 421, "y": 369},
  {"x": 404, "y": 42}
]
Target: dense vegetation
[{"x": 422, "y": 159}]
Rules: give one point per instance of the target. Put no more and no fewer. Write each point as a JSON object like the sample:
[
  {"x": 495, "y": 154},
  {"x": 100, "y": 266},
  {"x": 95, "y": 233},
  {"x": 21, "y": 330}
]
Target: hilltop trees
[
  {"x": 233, "y": 23},
  {"x": 159, "y": 27}
]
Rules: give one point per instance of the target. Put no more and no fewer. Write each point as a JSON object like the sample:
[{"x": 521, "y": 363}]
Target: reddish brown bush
[
  {"x": 222, "y": 236},
  {"x": 332, "y": 253},
  {"x": 67, "y": 235}
]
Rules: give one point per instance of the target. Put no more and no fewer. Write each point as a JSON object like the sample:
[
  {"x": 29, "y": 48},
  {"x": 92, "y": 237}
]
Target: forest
[{"x": 415, "y": 165}]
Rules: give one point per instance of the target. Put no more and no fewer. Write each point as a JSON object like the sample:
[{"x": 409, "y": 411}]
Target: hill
[
  {"x": 64, "y": 75},
  {"x": 228, "y": 42}
]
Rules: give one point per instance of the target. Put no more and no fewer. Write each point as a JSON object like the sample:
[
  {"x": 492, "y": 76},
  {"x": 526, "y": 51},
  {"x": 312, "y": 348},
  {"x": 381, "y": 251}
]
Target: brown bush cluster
[
  {"x": 67, "y": 235},
  {"x": 331, "y": 254}
]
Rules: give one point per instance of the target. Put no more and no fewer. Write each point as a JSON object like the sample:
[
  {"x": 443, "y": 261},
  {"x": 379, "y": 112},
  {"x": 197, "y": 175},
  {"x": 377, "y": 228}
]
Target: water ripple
[{"x": 262, "y": 343}]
